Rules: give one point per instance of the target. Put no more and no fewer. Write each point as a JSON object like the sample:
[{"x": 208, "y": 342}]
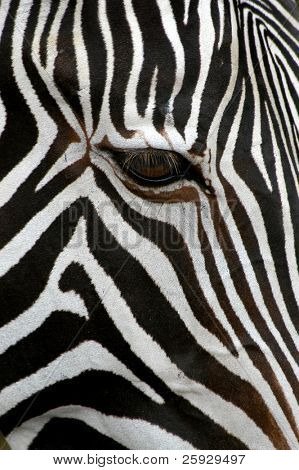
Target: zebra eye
[{"x": 153, "y": 167}]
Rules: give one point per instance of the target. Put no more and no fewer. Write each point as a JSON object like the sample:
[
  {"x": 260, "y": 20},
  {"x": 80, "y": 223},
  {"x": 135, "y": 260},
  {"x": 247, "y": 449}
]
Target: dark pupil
[{"x": 154, "y": 166}]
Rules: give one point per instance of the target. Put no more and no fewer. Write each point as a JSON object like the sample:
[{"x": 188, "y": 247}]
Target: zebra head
[{"x": 149, "y": 199}]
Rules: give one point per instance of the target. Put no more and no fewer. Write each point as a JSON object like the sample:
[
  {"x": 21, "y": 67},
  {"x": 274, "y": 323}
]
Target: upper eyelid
[
  {"x": 153, "y": 158},
  {"x": 149, "y": 150},
  {"x": 170, "y": 155}
]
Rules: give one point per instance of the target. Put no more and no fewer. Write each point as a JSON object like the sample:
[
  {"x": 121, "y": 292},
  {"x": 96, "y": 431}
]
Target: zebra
[{"x": 149, "y": 224}]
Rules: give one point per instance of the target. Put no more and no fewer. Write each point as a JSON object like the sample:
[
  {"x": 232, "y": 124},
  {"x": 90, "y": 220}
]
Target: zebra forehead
[{"x": 157, "y": 71}]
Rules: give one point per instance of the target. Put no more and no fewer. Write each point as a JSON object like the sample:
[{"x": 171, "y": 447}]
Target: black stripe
[
  {"x": 123, "y": 57},
  {"x": 65, "y": 72},
  {"x": 115, "y": 396},
  {"x": 158, "y": 53},
  {"x": 68, "y": 434},
  {"x": 20, "y": 132},
  {"x": 45, "y": 35},
  {"x": 97, "y": 57}
]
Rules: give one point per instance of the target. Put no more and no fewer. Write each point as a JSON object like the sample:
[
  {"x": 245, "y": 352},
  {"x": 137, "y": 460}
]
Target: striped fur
[{"x": 149, "y": 319}]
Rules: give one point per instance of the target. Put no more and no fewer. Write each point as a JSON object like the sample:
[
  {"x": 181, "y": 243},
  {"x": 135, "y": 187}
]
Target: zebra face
[{"x": 149, "y": 199}]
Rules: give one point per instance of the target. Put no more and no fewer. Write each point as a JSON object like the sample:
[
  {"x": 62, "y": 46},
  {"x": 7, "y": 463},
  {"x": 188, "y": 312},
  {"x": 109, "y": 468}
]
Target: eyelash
[{"x": 154, "y": 167}]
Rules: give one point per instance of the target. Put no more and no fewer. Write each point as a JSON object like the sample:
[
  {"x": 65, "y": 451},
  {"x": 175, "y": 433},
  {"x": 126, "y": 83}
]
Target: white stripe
[
  {"x": 145, "y": 251},
  {"x": 280, "y": 26},
  {"x": 234, "y": 53},
  {"x": 226, "y": 213},
  {"x": 256, "y": 150},
  {"x": 206, "y": 45},
  {"x": 133, "y": 121},
  {"x": 65, "y": 108},
  {"x": 212, "y": 144},
  {"x": 292, "y": 103},
  {"x": 227, "y": 415},
  {"x": 243, "y": 366},
  {"x": 287, "y": 14},
  {"x": 170, "y": 28},
  {"x": 47, "y": 129},
  {"x": 147, "y": 254},
  {"x": 254, "y": 214},
  {"x": 290, "y": 249},
  {"x": 221, "y": 21},
  {"x": 82, "y": 68},
  {"x": 60, "y": 100},
  {"x": 253, "y": 374},
  {"x": 264, "y": 246},
  {"x": 74, "y": 152},
  {"x": 3, "y": 116},
  {"x": 43, "y": 13},
  {"x": 53, "y": 37},
  {"x": 131, "y": 433},
  {"x": 186, "y": 11},
  {"x": 271, "y": 97},
  {"x": 294, "y": 79},
  {"x": 51, "y": 299},
  {"x": 131, "y": 114},
  {"x": 234, "y": 420},
  {"x": 4, "y": 9},
  {"x": 87, "y": 356},
  {"x": 105, "y": 125}
]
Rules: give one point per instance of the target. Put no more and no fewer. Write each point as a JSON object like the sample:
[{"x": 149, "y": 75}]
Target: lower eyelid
[{"x": 148, "y": 180}]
